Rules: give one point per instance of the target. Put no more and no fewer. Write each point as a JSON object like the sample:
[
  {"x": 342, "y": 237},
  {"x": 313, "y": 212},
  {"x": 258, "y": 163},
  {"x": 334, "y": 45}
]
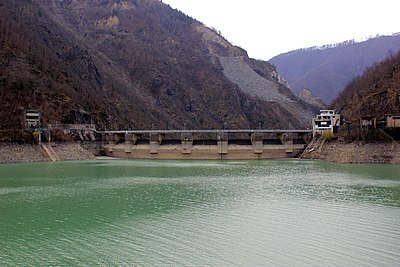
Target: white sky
[{"x": 267, "y": 28}]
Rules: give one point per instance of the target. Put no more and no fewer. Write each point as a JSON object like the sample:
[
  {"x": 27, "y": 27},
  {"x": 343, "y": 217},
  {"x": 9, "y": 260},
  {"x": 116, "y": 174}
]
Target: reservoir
[{"x": 197, "y": 213}]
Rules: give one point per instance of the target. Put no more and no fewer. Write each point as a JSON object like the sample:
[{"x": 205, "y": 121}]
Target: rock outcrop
[
  {"x": 354, "y": 152},
  {"x": 14, "y": 153}
]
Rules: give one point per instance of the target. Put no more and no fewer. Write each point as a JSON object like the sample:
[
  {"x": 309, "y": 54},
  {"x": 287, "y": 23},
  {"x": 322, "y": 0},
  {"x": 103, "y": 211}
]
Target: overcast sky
[{"x": 267, "y": 28}]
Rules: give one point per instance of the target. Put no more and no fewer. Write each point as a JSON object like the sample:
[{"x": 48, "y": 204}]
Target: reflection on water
[{"x": 246, "y": 213}]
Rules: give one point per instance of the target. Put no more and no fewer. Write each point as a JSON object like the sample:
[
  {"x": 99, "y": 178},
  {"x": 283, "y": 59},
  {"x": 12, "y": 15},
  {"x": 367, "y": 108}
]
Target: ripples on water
[{"x": 242, "y": 213}]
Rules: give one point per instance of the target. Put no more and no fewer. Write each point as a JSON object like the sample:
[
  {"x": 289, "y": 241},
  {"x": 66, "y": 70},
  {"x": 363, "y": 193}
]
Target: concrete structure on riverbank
[
  {"x": 166, "y": 144},
  {"x": 327, "y": 120},
  {"x": 31, "y": 119},
  {"x": 205, "y": 144}
]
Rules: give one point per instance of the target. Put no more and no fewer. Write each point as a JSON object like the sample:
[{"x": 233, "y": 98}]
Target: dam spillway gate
[{"x": 205, "y": 144}]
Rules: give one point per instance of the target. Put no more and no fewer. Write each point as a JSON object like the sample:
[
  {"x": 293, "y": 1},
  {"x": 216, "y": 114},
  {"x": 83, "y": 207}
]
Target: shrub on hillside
[{"x": 327, "y": 135}]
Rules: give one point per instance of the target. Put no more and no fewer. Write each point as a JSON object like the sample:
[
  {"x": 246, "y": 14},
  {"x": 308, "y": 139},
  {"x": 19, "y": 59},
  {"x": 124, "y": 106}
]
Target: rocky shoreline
[
  {"x": 334, "y": 151},
  {"x": 18, "y": 153},
  {"x": 354, "y": 152}
]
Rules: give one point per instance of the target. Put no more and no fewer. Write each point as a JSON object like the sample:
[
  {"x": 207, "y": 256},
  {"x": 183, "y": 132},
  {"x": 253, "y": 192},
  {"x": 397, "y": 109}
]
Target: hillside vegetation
[
  {"x": 369, "y": 97},
  {"x": 375, "y": 93},
  {"x": 129, "y": 64},
  {"x": 326, "y": 70}
]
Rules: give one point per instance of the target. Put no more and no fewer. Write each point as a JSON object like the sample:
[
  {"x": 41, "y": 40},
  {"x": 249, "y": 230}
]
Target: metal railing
[{"x": 205, "y": 131}]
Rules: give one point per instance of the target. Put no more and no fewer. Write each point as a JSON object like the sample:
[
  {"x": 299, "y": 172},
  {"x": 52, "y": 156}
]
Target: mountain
[
  {"x": 326, "y": 70},
  {"x": 132, "y": 64},
  {"x": 374, "y": 94}
]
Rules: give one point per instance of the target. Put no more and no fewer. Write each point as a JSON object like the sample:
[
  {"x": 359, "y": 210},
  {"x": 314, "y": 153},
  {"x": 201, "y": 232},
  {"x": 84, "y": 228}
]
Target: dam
[{"x": 204, "y": 144}]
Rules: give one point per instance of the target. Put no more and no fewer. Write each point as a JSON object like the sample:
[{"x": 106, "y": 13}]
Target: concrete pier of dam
[{"x": 205, "y": 144}]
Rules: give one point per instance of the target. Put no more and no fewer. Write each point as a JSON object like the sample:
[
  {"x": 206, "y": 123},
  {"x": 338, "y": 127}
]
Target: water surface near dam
[{"x": 218, "y": 213}]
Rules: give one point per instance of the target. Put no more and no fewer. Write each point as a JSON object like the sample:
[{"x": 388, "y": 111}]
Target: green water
[{"x": 196, "y": 213}]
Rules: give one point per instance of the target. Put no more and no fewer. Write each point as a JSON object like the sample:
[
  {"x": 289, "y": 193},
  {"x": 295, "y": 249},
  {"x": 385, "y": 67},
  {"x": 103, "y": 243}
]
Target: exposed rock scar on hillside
[
  {"x": 240, "y": 73},
  {"x": 236, "y": 70},
  {"x": 108, "y": 22}
]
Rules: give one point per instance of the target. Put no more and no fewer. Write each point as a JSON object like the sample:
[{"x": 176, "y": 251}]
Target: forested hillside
[
  {"x": 375, "y": 93},
  {"x": 129, "y": 64},
  {"x": 326, "y": 70}
]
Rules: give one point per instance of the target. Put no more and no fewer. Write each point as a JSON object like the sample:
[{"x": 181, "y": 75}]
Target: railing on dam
[{"x": 307, "y": 131}]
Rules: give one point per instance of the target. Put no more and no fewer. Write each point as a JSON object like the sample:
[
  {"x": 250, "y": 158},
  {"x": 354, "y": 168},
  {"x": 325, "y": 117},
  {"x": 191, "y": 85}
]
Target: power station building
[{"x": 327, "y": 120}]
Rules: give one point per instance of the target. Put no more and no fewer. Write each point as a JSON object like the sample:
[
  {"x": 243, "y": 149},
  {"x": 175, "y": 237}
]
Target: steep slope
[
  {"x": 375, "y": 93},
  {"x": 372, "y": 95},
  {"x": 126, "y": 64},
  {"x": 43, "y": 66},
  {"x": 236, "y": 69},
  {"x": 325, "y": 71}
]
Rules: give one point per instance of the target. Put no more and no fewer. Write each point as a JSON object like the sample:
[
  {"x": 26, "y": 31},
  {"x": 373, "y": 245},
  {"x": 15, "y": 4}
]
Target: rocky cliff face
[
  {"x": 307, "y": 96},
  {"x": 132, "y": 64}
]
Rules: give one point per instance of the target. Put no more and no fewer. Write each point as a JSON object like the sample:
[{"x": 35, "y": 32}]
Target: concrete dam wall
[{"x": 205, "y": 145}]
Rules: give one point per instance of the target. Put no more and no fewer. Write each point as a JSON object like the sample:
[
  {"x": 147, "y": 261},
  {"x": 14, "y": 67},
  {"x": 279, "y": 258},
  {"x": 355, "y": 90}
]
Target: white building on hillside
[
  {"x": 326, "y": 120},
  {"x": 31, "y": 119}
]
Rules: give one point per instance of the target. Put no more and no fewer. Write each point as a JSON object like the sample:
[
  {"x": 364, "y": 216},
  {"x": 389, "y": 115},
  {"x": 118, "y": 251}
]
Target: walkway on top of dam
[{"x": 207, "y": 131}]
